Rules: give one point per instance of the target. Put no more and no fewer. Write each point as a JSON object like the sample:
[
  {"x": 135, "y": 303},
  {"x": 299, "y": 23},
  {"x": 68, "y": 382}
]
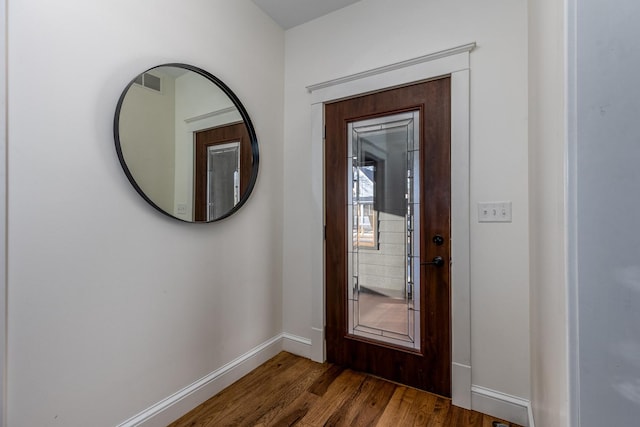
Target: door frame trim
[{"x": 453, "y": 62}]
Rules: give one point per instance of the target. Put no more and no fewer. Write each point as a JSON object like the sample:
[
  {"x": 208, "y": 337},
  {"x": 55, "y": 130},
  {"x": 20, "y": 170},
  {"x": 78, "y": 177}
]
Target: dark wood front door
[{"x": 387, "y": 209}]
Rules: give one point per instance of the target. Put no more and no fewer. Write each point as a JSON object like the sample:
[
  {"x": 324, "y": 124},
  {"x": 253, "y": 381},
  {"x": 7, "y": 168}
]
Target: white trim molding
[
  {"x": 296, "y": 345},
  {"x": 167, "y": 410},
  {"x": 530, "y": 413},
  {"x": 455, "y": 63},
  {"x": 215, "y": 113},
  {"x": 502, "y": 405},
  {"x": 392, "y": 67},
  {"x": 173, "y": 407}
]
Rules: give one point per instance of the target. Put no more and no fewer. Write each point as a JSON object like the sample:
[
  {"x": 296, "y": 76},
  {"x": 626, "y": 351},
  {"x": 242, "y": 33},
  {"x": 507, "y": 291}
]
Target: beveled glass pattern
[{"x": 383, "y": 216}]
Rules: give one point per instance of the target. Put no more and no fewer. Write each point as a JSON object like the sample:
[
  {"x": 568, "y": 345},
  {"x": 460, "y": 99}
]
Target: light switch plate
[{"x": 494, "y": 212}]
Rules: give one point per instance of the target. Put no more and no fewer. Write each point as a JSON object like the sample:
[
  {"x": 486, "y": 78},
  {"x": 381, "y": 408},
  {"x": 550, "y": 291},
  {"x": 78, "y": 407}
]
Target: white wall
[
  {"x": 111, "y": 305},
  {"x": 547, "y": 170},
  {"x": 605, "y": 247},
  {"x": 3, "y": 212},
  {"x": 373, "y": 33}
]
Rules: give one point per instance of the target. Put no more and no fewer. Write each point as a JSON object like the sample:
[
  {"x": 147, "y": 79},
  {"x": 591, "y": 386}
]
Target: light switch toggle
[{"x": 494, "y": 212}]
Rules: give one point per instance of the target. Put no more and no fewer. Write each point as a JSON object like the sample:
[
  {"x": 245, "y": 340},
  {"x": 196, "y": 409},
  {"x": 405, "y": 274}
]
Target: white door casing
[{"x": 453, "y": 62}]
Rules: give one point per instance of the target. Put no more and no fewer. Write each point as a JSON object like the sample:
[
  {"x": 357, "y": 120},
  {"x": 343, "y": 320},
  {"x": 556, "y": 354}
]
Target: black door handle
[{"x": 437, "y": 261}]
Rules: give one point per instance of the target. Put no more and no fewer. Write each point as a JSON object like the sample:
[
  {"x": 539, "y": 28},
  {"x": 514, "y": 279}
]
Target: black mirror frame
[{"x": 243, "y": 113}]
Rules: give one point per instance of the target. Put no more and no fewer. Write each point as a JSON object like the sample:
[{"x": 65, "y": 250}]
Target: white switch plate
[
  {"x": 494, "y": 212},
  {"x": 182, "y": 208}
]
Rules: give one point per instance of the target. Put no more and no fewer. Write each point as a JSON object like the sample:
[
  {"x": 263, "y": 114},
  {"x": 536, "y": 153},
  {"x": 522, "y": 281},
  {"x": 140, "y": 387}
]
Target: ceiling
[{"x": 290, "y": 13}]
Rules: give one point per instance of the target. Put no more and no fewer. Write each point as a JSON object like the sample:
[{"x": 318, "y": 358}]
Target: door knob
[{"x": 437, "y": 261}]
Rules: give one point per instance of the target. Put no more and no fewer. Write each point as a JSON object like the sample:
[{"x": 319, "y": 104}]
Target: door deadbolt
[{"x": 438, "y": 240}]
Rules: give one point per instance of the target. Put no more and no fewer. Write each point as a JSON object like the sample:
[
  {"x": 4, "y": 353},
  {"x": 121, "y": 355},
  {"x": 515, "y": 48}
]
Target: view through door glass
[
  {"x": 387, "y": 214},
  {"x": 384, "y": 303}
]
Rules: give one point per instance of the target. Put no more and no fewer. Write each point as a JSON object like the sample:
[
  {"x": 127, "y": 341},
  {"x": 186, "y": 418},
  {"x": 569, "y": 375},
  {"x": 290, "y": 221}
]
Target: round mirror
[{"x": 186, "y": 143}]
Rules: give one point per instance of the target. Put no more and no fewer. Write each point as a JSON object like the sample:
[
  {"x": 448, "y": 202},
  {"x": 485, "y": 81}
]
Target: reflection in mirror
[
  {"x": 186, "y": 143},
  {"x": 223, "y": 179}
]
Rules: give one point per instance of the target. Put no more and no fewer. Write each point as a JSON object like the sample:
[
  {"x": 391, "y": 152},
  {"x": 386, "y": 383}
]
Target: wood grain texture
[{"x": 292, "y": 391}]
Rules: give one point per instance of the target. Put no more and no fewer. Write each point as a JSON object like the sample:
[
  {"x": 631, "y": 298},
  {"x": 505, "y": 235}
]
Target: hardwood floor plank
[
  {"x": 440, "y": 413},
  {"x": 321, "y": 385},
  {"x": 293, "y": 413},
  {"x": 420, "y": 411},
  {"x": 231, "y": 402},
  {"x": 209, "y": 410},
  {"x": 343, "y": 388},
  {"x": 285, "y": 399},
  {"x": 267, "y": 397},
  {"x": 366, "y": 404},
  {"x": 293, "y": 391},
  {"x": 460, "y": 417},
  {"x": 488, "y": 421},
  {"x": 374, "y": 405},
  {"x": 398, "y": 406}
]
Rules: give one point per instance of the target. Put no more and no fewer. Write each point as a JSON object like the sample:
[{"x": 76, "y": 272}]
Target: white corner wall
[
  {"x": 3, "y": 213},
  {"x": 374, "y": 33},
  {"x": 604, "y": 184},
  {"x": 547, "y": 206},
  {"x": 112, "y": 306}
]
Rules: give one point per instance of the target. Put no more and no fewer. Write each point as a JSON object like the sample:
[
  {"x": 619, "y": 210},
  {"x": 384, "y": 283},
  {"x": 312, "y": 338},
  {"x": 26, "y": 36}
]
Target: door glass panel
[
  {"x": 223, "y": 179},
  {"x": 383, "y": 215}
]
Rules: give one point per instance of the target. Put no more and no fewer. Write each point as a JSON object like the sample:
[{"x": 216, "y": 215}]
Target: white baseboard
[
  {"x": 181, "y": 402},
  {"x": 461, "y": 385},
  {"x": 296, "y": 345},
  {"x": 501, "y": 405},
  {"x": 510, "y": 408},
  {"x": 317, "y": 346}
]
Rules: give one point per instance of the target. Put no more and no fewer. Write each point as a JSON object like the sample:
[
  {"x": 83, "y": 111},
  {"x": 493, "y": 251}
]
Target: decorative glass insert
[{"x": 383, "y": 213}]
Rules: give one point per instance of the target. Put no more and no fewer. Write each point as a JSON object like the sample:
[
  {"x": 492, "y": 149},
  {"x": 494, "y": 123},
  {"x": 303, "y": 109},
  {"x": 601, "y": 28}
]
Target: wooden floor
[{"x": 289, "y": 390}]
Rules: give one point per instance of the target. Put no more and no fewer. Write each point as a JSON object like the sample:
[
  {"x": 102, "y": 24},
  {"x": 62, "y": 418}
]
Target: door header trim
[{"x": 321, "y": 96}]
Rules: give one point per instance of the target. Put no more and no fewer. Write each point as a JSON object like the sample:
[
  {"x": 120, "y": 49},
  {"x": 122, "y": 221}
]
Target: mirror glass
[{"x": 186, "y": 143}]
